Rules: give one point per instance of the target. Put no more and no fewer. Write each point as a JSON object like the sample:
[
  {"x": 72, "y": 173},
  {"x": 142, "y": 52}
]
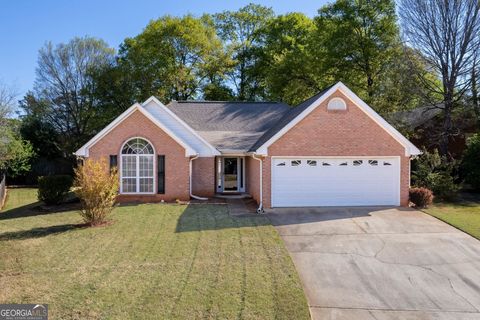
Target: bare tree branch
[{"x": 447, "y": 34}]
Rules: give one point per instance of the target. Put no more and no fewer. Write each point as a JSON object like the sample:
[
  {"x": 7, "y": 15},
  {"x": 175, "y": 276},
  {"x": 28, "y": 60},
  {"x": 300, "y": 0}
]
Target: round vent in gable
[{"x": 337, "y": 104}]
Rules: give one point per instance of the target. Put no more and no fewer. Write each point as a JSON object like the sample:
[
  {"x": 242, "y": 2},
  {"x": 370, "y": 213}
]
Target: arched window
[
  {"x": 137, "y": 172},
  {"x": 337, "y": 104}
]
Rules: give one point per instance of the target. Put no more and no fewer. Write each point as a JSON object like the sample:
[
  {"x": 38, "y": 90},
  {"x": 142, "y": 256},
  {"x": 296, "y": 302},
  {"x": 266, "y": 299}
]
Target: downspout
[
  {"x": 260, "y": 206},
  {"x": 190, "y": 169}
]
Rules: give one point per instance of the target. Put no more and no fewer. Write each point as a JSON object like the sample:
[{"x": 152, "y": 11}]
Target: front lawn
[
  {"x": 464, "y": 215},
  {"x": 155, "y": 261}
]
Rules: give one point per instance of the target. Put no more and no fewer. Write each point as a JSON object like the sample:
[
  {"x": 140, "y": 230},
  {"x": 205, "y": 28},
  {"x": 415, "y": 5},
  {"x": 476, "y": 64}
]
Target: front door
[{"x": 230, "y": 174}]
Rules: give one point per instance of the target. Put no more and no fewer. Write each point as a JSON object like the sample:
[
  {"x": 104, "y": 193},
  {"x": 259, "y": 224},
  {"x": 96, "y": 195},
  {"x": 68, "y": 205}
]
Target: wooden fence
[{"x": 3, "y": 190}]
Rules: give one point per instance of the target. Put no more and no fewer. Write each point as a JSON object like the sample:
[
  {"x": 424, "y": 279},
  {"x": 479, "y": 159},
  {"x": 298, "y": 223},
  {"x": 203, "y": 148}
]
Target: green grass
[
  {"x": 154, "y": 262},
  {"x": 464, "y": 215},
  {"x": 17, "y": 198}
]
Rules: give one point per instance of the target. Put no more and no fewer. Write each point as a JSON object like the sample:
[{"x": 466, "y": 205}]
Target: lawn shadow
[
  {"x": 203, "y": 217},
  {"x": 200, "y": 217},
  {"x": 293, "y": 216},
  {"x": 36, "y": 209},
  {"x": 38, "y": 232},
  {"x": 465, "y": 199}
]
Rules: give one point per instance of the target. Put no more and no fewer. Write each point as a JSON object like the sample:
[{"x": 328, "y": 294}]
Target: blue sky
[{"x": 25, "y": 25}]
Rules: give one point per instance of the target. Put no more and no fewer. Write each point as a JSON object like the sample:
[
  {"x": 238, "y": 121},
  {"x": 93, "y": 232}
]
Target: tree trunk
[
  {"x": 476, "y": 107},
  {"x": 370, "y": 86},
  {"x": 447, "y": 123}
]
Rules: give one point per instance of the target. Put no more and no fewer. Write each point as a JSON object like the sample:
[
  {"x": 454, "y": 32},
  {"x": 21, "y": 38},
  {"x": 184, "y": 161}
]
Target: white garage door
[{"x": 335, "y": 182}]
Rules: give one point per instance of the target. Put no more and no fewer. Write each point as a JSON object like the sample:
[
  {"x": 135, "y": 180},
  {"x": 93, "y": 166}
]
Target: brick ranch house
[{"x": 330, "y": 150}]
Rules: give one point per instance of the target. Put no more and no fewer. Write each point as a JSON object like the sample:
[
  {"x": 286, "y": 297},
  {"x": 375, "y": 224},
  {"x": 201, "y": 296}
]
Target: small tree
[
  {"x": 97, "y": 188},
  {"x": 432, "y": 171}
]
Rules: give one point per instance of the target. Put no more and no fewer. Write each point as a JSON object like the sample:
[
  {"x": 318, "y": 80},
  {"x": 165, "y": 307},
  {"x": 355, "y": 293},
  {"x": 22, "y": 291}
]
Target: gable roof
[
  {"x": 287, "y": 118},
  {"x": 84, "y": 150},
  {"x": 311, "y": 104},
  {"x": 207, "y": 127},
  {"x": 231, "y": 127},
  {"x": 164, "y": 115}
]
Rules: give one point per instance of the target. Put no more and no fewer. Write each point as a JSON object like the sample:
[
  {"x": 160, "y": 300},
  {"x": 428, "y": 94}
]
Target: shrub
[
  {"x": 436, "y": 173},
  {"x": 471, "y": 162},
  {"x": 54, "y": 189},
  {"x": 97, "y": 188},
  {"x": 421, "y": 197}
]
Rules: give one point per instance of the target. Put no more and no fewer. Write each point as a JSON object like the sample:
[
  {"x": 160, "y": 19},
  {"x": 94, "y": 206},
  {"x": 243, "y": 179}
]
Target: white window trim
[
  {"x": 331, "y": 107},
  {"x": 154, "y": 155}
]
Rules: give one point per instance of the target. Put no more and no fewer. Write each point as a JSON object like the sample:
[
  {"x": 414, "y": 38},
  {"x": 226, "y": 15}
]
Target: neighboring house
[{"x": 330, "y": 150}]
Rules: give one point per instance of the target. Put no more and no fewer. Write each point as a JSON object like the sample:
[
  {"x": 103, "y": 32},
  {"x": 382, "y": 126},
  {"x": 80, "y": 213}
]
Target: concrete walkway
[
  {"x": 240, "y": 206},
  {"x": 382, "y": 263}
]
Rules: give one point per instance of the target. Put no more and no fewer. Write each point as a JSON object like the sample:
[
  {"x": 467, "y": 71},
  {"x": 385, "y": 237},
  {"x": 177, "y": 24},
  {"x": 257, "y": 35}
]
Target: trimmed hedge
[
  {"x": 54, "y": 189},
  {"x": 421, "y": 197}
]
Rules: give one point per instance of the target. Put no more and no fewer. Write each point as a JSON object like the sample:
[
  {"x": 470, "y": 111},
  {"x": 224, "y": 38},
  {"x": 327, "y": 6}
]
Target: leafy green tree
[
  {"x": 432, "y": 171},
  {"x": 14, "y": 151},
  {"x": 241, "y": 32},
  {"x": 396, "y": 88},
  {"x": 173, "y": 58},
  {"x": 63, "y": 94},
  {"x": 217, "y": 91},
  {"x": 359, "y": 40},
  {"x": 290, "y": 67},
  {"x": 471, "y": 161},
  {"x": 42, "y": 136}
]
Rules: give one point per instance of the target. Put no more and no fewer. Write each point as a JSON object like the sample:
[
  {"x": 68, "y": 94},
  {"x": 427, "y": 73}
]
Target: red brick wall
[
  {"x": 337, "y": 133},
  {"x": 176, "y": 163},
  {"x": 252, "y": 169},
  {"x": 203, "y": 177}
]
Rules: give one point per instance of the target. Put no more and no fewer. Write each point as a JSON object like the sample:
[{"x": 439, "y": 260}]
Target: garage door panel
[{"x": 335, "y": 182}]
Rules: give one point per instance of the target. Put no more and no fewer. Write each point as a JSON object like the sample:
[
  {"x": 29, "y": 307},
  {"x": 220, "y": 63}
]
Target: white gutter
[
  {"x": 190, "y": 169},
  {"x": 260, "y": 206}
]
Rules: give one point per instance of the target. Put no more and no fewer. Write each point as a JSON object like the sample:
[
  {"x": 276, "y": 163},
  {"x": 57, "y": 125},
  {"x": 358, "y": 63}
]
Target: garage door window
[
  {"x": 296, "y": 163},
  {"x": 335, "y": 181}
]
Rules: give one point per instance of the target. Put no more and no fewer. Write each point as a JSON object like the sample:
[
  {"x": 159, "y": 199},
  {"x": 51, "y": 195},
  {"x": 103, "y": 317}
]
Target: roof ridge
[{"x": 225, "y": 101}]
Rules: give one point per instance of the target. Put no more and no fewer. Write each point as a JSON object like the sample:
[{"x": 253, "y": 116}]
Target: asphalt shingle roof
[
  {"x": 238, "y": 126},
  {"x": 229, "y": 126}
]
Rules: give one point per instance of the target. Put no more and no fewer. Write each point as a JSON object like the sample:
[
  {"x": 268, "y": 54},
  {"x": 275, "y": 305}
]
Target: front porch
[
  {"x": 227, "y": 176},
  {"x": 230, "y": 177}
]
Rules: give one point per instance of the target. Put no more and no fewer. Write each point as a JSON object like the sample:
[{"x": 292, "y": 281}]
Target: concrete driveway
[{"x": 382, "y": 263}]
